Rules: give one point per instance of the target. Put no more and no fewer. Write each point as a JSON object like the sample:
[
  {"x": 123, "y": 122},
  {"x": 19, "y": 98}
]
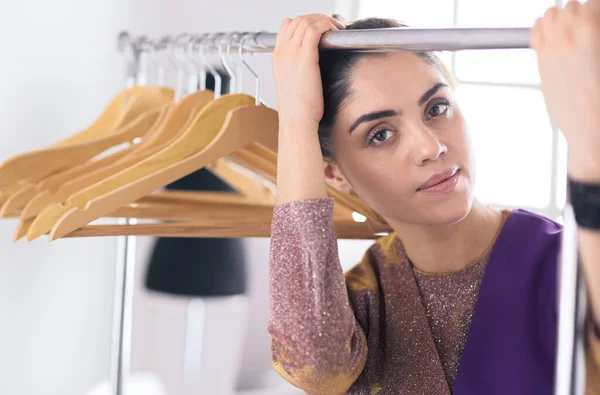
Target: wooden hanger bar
[
  {"x": 77, "y": 156},
  {"x": 344, "y": 230},
  {"x": 179, "y": 159},
  {"x": 36, "y": 165},
  {"x": 174, "y": 121}
]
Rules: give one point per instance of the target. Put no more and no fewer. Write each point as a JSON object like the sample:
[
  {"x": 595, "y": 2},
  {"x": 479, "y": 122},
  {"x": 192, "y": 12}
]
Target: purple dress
[{"x": 370, "y": 331}]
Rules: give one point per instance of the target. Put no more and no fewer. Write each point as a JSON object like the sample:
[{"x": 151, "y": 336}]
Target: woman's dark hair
[{"x": 335, "y": 71}]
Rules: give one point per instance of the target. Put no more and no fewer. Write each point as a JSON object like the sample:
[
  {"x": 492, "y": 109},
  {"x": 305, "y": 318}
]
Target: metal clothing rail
[
  {"x": 413, "y": 39},
  {"x": 570, "y": 369},
  {"x": 376, "y": 40}
]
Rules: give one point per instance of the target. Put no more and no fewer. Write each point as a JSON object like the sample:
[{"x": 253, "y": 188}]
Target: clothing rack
[
  {"x": 120, "y": 356},
  {"x": 570, "y": 366}
]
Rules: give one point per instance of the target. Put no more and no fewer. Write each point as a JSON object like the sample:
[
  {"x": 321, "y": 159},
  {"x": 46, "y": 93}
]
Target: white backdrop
[{"x": 59, "y": 67}]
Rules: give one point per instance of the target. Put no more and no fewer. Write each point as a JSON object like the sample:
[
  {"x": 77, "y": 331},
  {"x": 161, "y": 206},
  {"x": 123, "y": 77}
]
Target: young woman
[{"x": 460, "y": 298}]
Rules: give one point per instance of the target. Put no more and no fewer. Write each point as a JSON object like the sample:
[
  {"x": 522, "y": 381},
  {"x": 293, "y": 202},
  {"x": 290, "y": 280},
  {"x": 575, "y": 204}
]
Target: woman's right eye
[{"x": 379, "y": 136}]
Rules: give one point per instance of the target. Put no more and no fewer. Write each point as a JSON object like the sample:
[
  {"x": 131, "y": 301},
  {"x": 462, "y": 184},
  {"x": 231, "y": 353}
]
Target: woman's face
[{"x": 400, "y": 126}]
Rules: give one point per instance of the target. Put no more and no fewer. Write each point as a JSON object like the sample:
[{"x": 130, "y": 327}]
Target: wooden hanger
[
  {"x": 174, "y": 197},
  {"x": 124, "y": 111},
  {"x": 170, "y": 198},
  {"x": 264, "y": 161},
  {"x": 229, "y": 212},
  {"x": 174, "y": 122},
  {"x": 179, "y": 118},
  {"x": 36, "y": 165},
  {"x": 243, "y": 126},
  {"x": 45, "y": 190},
  {"x": 208, "y": 214},
  {"x": 201, "y": 205},
  {"x": 170, "y": 207},
  {"x": 234, "y": 229},
  {"x": 77, "y": 154},
  {"x": 107, "y": 119},
  {"x": 252, "y": 188},
  {"x": 215, "y": 132},
  {"x": 3, "y": 197}
]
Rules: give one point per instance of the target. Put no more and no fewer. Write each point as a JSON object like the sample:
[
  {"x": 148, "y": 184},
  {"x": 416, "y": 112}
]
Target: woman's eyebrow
[
  {"x": 372, "y": 116},
  {"x": 431, "y": 92}
]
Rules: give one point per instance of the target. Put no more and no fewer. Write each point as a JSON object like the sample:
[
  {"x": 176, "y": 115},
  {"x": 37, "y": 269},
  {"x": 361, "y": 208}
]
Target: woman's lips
[{"x": 444, "y": 187}]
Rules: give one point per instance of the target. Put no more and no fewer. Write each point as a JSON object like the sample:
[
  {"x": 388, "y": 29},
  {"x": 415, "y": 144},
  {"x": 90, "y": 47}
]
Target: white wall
[{"x": 58, "y": 68}]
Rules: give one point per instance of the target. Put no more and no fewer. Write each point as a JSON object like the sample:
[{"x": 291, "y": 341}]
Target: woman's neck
[{"x": 446, "y": 249}]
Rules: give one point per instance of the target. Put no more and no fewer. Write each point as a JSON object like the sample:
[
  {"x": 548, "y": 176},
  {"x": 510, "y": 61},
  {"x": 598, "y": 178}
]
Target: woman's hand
[
  {"x": 567, "y": 43},
  {"x": 300, "y": 105},
  {"x": 295, "y": 64}
]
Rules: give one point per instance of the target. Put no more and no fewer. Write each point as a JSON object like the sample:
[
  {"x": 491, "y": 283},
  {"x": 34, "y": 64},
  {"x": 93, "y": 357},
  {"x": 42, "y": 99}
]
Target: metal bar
[
  {"x": 116, "y": 360},
  {"x": 414, "y": 39},
  {"x": 570, "y": 367},
  {"x": 122, "y": 313},
  {"x": 124, "y": 268},
  {"x": 390, "y": 39}
]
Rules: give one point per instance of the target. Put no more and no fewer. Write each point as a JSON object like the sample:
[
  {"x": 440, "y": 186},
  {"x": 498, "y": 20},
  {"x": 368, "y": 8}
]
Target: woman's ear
[{"x": 335, "y": 178}]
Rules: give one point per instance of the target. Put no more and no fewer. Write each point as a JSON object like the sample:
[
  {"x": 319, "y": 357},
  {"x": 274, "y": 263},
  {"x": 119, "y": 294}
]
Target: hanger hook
[
  {"x": 183, "y": 56},
  {"x": 132, "y": 57},
  {"x": 142, "y": 43},
  {"x": 176, "y": 60},
  {"x": 233, "y": 80},
  {"x": 234, "y": 38},
  {"x": 211, "y": 69},
  {"x": 241, "y": 53},
  {"x": 200, "y": 70},
  {"x": 159, "y": 45}
]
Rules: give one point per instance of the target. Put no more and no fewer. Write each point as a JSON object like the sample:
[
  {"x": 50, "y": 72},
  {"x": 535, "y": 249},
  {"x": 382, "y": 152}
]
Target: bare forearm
[{"x": 299, "y": 163}]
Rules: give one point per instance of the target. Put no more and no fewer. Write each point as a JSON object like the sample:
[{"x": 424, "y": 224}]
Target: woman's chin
[
  {"x": 450, "y": 210},
  {"x": 427, "y": 208}
]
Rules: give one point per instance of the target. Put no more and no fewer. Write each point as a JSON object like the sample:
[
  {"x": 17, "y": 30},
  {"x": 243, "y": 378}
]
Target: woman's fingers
[
  {"x": 282, "y": 32},
  {"x": 294, "y": 30},
  {"x": 303, "y": 24},
  {"x": 296, "y": 68},
  {"x": 537, "y": 37},
  {"x": 593, "y": 5},
  {"x": 314, "y": 32},
  {"x": 337, "y": 23}
]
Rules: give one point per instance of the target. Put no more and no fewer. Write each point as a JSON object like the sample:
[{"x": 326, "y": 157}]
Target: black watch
[{"x": 585, "y": 199}]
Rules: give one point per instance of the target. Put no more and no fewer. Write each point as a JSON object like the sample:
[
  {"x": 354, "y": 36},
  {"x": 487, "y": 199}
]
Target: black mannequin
[{"x": 198, "y": 266}]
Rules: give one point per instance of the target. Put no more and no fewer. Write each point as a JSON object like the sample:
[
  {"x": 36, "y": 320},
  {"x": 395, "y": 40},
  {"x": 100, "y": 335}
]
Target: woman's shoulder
[
  {"x": 528, "y": 243},
  {"x": 364, "y": 274},
  {"x": 536, "y": 220},
  {"x": 533, "y": 228}
]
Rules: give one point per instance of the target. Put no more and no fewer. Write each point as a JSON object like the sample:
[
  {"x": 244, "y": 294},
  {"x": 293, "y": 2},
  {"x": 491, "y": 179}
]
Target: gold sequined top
[{"x": 381, "y": 328}]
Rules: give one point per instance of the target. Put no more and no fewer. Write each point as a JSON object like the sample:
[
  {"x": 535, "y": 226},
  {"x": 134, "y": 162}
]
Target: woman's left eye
[{"x": 441, "y": 107}]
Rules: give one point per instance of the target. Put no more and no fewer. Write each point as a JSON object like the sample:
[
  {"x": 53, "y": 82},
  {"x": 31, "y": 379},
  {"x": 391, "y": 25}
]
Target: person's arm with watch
[
  {"x": 584, "y": 196},
  {"x": 568, "y": 50}
]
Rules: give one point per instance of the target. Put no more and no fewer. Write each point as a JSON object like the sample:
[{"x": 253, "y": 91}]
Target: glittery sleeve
[{"x": 316, "y": 343}]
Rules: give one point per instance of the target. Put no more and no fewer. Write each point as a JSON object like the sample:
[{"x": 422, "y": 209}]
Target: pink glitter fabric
[
  {"x": 449, "y": 301},
  {"x": 381, "y": 328}
]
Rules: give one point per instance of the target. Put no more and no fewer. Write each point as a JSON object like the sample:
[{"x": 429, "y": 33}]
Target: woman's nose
[{"x": 426, "y": 146}]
